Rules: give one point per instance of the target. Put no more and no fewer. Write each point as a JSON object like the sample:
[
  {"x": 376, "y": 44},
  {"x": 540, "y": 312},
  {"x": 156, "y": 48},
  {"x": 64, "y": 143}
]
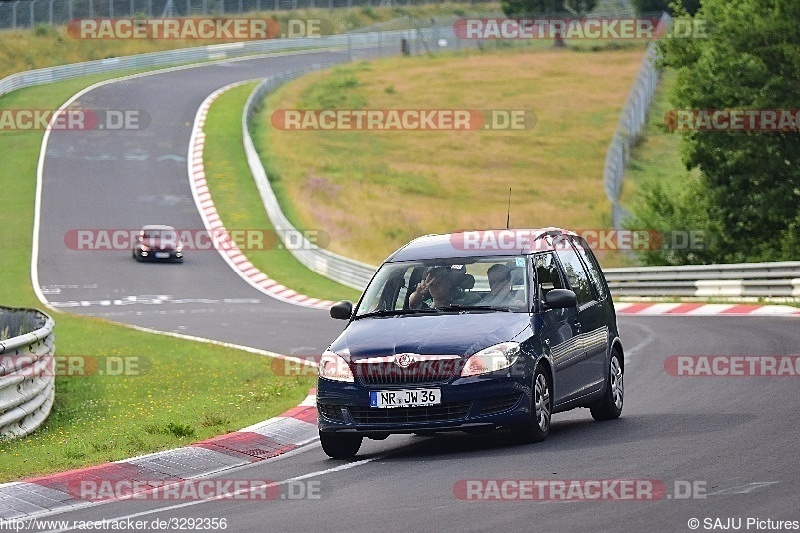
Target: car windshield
[
  {"x": 162, "y": 234},
  {"x": 463, "y": 284}
]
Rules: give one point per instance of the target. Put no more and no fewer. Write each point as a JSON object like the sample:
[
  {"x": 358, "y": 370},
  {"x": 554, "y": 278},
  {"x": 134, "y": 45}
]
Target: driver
[{"x": 440, "y": 283}]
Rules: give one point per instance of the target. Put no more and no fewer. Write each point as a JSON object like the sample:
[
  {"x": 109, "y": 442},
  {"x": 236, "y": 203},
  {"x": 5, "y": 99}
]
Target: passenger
[
  {"x": 499, "y": 285},
  {"x": 440, "y": 283}
]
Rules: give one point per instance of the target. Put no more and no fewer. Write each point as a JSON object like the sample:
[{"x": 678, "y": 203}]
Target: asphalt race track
[
  {"x": 733, "y": 439},
  {"x": 123, "y": 179}
]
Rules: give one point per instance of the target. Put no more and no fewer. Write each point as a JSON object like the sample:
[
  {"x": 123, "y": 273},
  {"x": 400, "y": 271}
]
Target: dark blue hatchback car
[{"x": 473, "y": 331}]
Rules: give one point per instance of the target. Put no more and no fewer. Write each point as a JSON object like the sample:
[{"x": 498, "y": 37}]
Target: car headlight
[
  {"x": 491, "y": 359},
  {"x": 333, "y": 366}
]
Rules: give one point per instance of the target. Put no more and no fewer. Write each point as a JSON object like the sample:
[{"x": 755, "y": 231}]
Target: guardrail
[
  {"x": 341, "y": 269},
  {"x": 746, "y": 280},
  {"x": 381, "y": 40},
  {"x": 32, "y": 78},
  {"x": 27, "y": 370}
]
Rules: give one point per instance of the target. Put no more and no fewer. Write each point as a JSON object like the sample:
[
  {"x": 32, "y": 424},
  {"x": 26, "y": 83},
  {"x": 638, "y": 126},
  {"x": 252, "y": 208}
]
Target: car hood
[
  {"x": 441, "y": 334},
  {"x": 161, "y": 244}
]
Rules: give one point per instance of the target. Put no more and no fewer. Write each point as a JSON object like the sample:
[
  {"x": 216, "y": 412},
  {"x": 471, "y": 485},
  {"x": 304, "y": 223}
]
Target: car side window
[
  {"x": 547, "y": 274},
  {"x": 577, "y": 277},
  {"x": 592, "y": 266}
]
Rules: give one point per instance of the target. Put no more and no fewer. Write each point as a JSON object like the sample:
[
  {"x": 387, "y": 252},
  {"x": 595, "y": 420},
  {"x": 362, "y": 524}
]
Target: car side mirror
[
  {"x": 342, "y": 310},
  {"x": 560, "y": 299}
]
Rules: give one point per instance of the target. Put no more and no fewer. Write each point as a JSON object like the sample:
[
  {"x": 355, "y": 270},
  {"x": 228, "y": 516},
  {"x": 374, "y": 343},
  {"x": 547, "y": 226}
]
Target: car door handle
[{"x": 578, "y": 326}]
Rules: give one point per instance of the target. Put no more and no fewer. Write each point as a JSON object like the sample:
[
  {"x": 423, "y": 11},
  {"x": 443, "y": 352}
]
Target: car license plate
[
  {"x": 162, "y": 255},
  {"x": 384, "y": 399}
]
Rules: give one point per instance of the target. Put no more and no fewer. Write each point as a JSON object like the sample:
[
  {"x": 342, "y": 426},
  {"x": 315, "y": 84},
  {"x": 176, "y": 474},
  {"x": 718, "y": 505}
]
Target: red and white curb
[
  {"x": 703, "y": 309},
  {"x": 228, "y": 249},
  {"x": 274, "y": 437}
]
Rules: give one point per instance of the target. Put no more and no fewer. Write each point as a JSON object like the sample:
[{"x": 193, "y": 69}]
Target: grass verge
[
  {"x": 239, "y": 205},
  {"x": 184, "y": 391},
  {"x": 373, "y": 191},
  {"x": 657, "y": 154}
]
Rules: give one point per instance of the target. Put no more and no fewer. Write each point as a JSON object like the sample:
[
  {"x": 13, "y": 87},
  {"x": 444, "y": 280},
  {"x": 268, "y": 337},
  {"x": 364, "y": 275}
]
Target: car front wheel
[
  {"x": 340, "y": 445},
  {"x": 541, "y": 409},
  {"x": 610, "y": 407}
]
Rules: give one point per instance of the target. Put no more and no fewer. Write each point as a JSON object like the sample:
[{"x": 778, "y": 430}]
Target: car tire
[
  {"x": 135, "y": 256},
  {"x": 610, "y": 407},
  {"x": 340, "y": 445},
  {"x": 538, "y": 427}
]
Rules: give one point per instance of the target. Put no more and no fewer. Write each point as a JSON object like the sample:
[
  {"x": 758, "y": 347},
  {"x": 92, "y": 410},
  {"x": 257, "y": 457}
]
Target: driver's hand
[{"x": 422, "y": 288}]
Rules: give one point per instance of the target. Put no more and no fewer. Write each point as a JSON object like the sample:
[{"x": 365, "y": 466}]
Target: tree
[{"x": 750, "y": 180}]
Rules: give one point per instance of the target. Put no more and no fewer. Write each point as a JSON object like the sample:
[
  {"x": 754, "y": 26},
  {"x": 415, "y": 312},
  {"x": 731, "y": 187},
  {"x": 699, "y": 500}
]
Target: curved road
[
  {"x": 123, "y": 179},
  {"x": 732, "y": 438}
]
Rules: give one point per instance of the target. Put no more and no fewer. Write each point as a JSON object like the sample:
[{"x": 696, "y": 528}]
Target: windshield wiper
[
  {"x": 392, "y": 312},
  {"x": 461, "y": 307}
]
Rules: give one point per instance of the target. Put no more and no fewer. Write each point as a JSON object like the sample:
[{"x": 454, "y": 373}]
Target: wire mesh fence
[{"x": 30, "y": 13}]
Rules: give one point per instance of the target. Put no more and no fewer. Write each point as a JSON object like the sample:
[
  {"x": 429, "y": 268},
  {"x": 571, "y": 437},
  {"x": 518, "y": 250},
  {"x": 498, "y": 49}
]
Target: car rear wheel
[
  {"x": 538, "y": 427},
  {"x": 610, "y": 407},
  {"x": 340, "y": 445}
]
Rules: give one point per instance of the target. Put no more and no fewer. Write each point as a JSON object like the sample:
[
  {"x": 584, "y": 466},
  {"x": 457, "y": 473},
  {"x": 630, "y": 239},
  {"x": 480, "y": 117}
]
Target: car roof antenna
[{"x": 508, "y": 215}]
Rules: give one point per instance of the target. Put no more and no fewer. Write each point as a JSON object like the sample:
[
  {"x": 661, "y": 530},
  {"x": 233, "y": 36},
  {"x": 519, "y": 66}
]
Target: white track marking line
[{"x": 230, "y": 495}]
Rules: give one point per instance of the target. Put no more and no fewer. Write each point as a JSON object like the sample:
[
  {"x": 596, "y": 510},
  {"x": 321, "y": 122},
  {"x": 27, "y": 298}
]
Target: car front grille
[
  {"x": 499, "y": 403},
  {"x": 397, "y": 415},
  {"x": 388, "y": 373}
]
